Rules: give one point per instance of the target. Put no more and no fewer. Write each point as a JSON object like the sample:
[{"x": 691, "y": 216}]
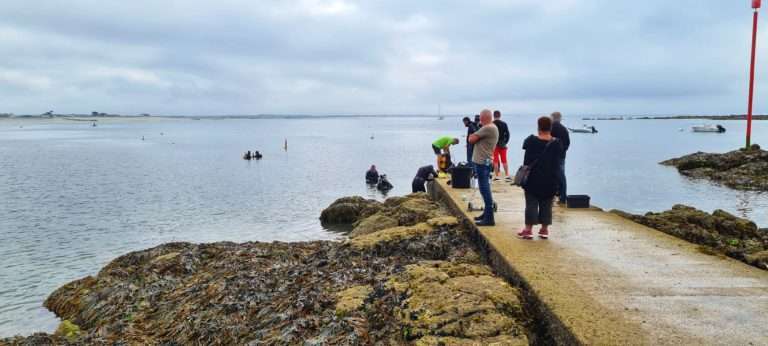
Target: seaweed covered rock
[
  {"x": 347, "y": 210},
  {"x": 758, "y": 259},
  {"x": 734, "y": 236},
  {"x": 744, "y": 169},
  {"x": 37, "y": 339},
  {"x": 373, "y": 223},
  {"x": 313, "y": 293},
  {"x": 457, "y": 303},
  {"x": 397, "y": 211}
]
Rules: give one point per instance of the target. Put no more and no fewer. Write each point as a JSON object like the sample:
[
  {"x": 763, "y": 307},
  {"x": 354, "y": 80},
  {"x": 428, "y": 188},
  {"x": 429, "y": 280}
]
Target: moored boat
[{"x": 708, "y": 128}]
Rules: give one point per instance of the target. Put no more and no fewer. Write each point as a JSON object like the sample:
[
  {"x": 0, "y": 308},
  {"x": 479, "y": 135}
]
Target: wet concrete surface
[{"x": 606, "y": 280}]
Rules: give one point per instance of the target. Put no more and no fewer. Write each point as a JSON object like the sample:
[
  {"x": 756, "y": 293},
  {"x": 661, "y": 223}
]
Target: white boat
[
  {"x": 584, "y": 129},
  {"x": 709, "y": 128}
]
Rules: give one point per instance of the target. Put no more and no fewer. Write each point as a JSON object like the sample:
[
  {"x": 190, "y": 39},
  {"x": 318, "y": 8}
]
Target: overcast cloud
[{"x": 377, "y": 57}]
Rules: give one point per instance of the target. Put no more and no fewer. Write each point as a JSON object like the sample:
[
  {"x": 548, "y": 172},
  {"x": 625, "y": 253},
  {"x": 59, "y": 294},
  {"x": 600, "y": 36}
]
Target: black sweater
[
  {"x": 542, "y": 180},
  {"x": 560, "y": 132}
]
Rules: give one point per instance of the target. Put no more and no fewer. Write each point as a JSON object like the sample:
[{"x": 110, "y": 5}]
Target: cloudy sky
[{"x": 377, "y": 57}]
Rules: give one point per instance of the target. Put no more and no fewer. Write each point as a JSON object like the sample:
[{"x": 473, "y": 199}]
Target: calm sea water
[{"x": 73, "y": 197}]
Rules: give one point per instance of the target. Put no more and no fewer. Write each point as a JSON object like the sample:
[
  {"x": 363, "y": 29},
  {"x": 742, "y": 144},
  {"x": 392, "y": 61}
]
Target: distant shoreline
[
  {"x": 218, "y": 117},
  {"x": 682, "y": 117}
]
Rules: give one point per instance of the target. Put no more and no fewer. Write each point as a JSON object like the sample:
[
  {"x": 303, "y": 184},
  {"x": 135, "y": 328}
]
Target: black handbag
[{"x": 521, "y": 177}]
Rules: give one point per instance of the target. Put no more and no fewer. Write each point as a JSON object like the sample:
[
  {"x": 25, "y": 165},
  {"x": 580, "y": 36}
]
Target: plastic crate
[{"x": 577, "y": 201}]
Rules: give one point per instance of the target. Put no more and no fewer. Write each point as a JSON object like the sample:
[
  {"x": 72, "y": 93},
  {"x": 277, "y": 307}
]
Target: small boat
[
  {"x": 585, "y": 129},
  {"x": 709, "y": 128}
]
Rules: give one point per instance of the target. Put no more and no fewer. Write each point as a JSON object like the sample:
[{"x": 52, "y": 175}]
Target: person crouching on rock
[
  {"x": 423, "y": 175},
  {"x": 443, "y": 145},
  {"x": 484, "y": 140},
  {"x": 372, "y": 175},
  {"x": 543, "y": 154}
]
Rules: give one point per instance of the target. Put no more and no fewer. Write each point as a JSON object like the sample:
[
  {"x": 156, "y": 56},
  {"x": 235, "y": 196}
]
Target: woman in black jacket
[{"x": 542, "y": 154}]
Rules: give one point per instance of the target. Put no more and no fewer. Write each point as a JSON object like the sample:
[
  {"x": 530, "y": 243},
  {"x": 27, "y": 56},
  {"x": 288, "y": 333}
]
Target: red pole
[{"x": 756, "y": 6}]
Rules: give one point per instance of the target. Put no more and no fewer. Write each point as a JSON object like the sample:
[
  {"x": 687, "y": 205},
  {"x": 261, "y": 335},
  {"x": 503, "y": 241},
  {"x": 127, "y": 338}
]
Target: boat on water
[
  {"x": 709, "y": 128},
  {"x": 584, "y": 129}
]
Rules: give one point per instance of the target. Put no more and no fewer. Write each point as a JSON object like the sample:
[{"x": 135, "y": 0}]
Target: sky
[{"x": 196, "y": 57}]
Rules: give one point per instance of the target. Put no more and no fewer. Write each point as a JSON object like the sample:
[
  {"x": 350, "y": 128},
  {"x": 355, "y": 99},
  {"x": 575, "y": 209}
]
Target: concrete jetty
[{"x": 603, "y": 280}]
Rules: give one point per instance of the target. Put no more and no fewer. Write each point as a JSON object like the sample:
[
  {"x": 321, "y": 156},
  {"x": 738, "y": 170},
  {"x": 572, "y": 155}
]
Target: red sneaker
[
  {"x": 525, "y": 234},
  {"x": 543, "y": 233}
]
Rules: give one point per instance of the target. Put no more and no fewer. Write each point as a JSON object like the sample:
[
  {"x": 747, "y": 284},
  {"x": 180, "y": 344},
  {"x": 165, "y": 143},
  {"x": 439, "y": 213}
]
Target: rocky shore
[
  {"x": 718, "y": 233},
  {"x": 743, "y": 169},
  {"x": 408, "y": 274}
]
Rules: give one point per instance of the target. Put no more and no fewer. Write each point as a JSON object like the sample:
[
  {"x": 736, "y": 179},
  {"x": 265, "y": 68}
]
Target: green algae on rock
[
  {"x": 352, "y": 299},
  {"x": 312, "y": 293},
  {"x": 743, "y": 169},
  {"x": 460, "y": 301},
  {"x": 731, "y": 235},
  {"x": 368, "y": 216}
]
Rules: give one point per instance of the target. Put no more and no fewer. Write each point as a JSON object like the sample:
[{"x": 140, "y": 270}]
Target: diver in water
[
  {"x": 257, "y": 155},
  {"x": 720, "y": 128},
  {"x": 384, "y": 185},
  {"x": 372, "y": 175},
  {"x": 423, "y": 175},
  {"x": 247, "y": 155}
]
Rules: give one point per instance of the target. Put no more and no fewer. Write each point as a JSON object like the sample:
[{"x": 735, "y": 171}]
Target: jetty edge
[{"x": 602, "y": 279}]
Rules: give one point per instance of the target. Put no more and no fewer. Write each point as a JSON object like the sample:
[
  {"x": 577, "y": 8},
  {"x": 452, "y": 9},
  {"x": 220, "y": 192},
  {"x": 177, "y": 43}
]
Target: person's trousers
[
  {"x": 483, "y": 173},
  {"x": 417, "y": 185},
  {"x": 470, "y": 151},
  {"x": 563, "y": 183},
  {"x": 537, "y": 210}
]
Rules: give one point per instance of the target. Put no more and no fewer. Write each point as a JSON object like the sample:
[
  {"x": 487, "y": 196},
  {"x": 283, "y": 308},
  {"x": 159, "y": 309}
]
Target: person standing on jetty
[
  {"x": 471, "y": 128},
  {"x": 500, "y": 152},
  {"x": 543, "y": 154},
  {"x": 484, "y": 141},
  {"x": 561, "y": 132}
]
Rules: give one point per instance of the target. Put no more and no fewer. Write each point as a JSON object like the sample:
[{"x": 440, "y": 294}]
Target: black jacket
[
  {"x": 560, "y": 132},
  {"x": 503, "y": 133},
  {"x": 371, "y": 177},
  {"x": 471, "y": 128}
]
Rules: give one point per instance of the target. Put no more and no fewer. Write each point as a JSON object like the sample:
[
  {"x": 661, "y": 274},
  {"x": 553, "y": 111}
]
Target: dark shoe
[
  {"x": 479, "y": 218},
  {"x": 483, "y": 223}
]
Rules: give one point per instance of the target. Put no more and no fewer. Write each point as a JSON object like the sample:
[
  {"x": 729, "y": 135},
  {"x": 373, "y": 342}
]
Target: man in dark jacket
[
  {"x": 561, "y": 132},
  {"x": 471, "y": 128}
]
